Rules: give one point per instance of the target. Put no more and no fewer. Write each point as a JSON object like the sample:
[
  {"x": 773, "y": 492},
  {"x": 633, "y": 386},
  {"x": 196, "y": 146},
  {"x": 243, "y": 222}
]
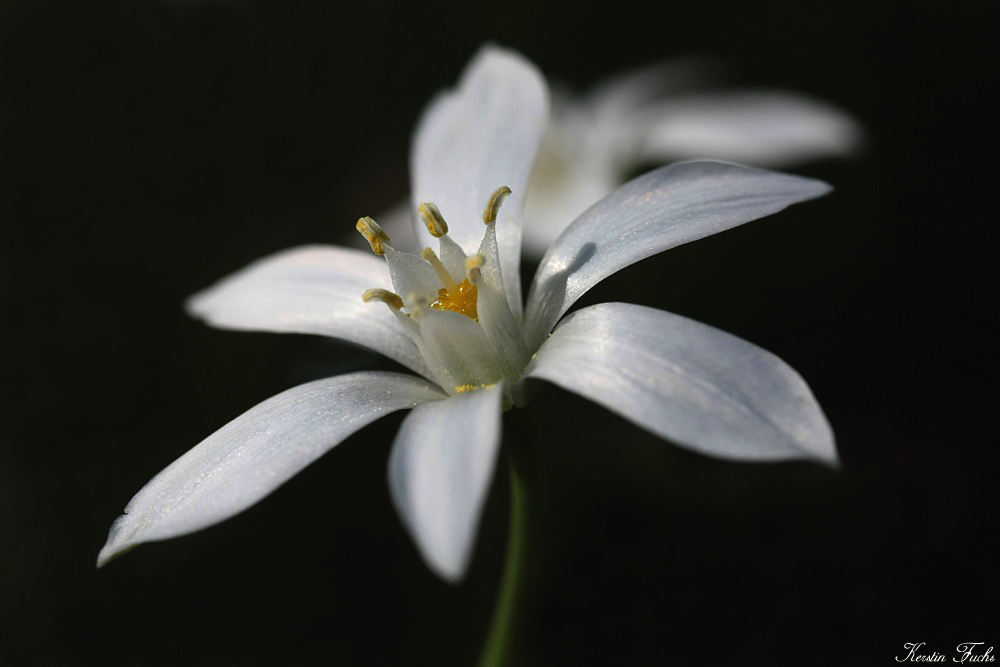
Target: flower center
[
  {"x": 461, "y": 300},
  {"x": 453, "y": 305},
  {"x": 457, "y": 297}
]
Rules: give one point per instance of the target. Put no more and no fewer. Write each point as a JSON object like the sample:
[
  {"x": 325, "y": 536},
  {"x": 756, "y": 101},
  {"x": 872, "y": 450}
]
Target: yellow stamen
[
  {"x": 442, "y": 273},
  {"x": 391, "y": 299},
  {"x": 432, "y": 217},
  {"x": 462, "y": 300},
  {"x": 374, "y": 234},
  {"x": 493, "y": 207}
]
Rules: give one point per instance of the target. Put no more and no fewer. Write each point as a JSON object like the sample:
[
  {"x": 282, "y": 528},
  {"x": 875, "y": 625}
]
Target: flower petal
[
  {"x": 502, "y": 328},
  {"x": 314, "y": 290},
  {"x": 411, "y": 274},
  {"x": 472, "y": 141},
  {"x": 440, "y": 471},
  {"x": 591, "y": 143},
  {"x": 760, "y": 127},
  {"x": 257, "y": 452},
  {"x": 662, "y": 209},
  {"x": 578, "y": 163},
  {"x": 685, "y": 381},
  {"x": 621, "y": 93},
  {"x": 457, "y": 349}
]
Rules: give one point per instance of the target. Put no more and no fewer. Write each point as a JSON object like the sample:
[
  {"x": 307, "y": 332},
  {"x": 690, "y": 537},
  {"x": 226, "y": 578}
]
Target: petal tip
[
  {"x": 449, "y": 569},
  {"x": 829, "y": 457},
  {"x": 105, "y": 556},
  {"x": 115, "y": 546},
  {"x": 195, "y": 306}
]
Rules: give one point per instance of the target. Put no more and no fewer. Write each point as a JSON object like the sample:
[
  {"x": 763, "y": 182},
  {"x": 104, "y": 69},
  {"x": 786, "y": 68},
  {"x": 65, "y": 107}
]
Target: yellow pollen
[
  {"x": 432, "y": 217},
  {"x": 374, "y": 234},
  {"x": 461, "y": 300},
  {"x": 493, "y": 207}
]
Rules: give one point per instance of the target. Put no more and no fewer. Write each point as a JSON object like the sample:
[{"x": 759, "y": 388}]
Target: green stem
[{"x": 505, "y": 645}]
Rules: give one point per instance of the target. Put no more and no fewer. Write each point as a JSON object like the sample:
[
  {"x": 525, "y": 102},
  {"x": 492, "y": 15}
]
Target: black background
[{"x": 149, "y": 148}]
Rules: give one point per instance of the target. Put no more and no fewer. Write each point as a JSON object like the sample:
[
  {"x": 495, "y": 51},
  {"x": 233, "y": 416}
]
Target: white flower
[
  {"x": 455, "y": 317},
  {"x": 659, "y": 114}
]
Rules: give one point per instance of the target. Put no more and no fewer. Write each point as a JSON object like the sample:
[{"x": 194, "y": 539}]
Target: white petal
[
  {"x": 700, "y": 387},
  {"x": 577, "y": 165},
  {"x": 763, "y": 128},
  {"x": 657, "y": 211},
  {"x": 472, "y": 141},
  {"x": 311, "y": 289},
  {"x": 440, "y": 471},
  {"x": 257, "y": 452},
  {"x": 453, "y": 257},
  {"x": 457, "y": 349},
  {"x": 560, "y": 199},
  {"x": 502, "y": 328},
  {"x": 411, "y": 274},
  {"x": 612, "y": 99}
]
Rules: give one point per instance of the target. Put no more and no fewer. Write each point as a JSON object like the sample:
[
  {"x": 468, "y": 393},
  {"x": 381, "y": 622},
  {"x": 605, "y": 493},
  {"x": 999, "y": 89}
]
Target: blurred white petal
[
  {"x": 439, "y": 474},
  {"x": 622, "y": 93},
  {"x": 761, "y": 128},
  {"x": 576, "y": 166},
  {"x": 472, "y": 141},
  {"x": 660, "y": 210},
  {"x": 257, "y": 452},
  {"x": 697, "y": 386},
  {"x": 313, "y": 290},
  {"x": 662, "y": 113}
]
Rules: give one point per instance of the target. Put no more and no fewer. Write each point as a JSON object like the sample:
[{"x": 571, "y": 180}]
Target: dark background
[{"x": 151, "y": 147}]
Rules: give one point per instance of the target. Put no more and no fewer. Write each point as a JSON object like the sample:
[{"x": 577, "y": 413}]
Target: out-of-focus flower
[
  {"x": 660, "y": 114},
  {"x": 455, "y": 317}
]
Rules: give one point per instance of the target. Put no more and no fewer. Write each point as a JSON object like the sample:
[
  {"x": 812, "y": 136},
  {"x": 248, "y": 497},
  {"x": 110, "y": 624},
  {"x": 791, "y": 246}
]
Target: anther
[
  {"x": 390, "y": 299},
  {"x": 442, "y": 273},
  {"x": 474, "y": 268},
  {"x": 374, "y": 234},
  {"x": 432, "y": 217},
  {"x": 493, "y": 207}
]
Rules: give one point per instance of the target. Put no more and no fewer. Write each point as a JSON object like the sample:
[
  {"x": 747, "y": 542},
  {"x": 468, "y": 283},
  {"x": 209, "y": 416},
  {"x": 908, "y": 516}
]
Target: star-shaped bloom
[{"x": 456, "y": 319}]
